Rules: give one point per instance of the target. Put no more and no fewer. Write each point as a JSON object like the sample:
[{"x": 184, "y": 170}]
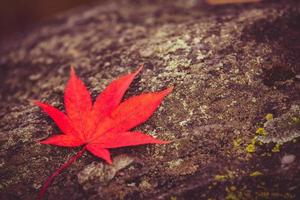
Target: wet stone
[{"x": 230, "y": 67}]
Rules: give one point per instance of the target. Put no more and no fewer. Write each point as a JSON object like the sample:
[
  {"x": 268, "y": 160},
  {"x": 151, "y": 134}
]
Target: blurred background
[{"x": 17, "y": 15}]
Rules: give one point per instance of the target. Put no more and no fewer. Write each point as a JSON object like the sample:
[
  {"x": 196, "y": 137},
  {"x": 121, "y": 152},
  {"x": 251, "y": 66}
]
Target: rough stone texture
[{"x": 230, "y": 65}]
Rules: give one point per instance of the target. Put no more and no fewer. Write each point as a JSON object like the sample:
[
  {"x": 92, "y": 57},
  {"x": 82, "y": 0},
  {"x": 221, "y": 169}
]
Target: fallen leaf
[
  {"x": 103, "y": 125},
  {"x": 219, "y": 2}
]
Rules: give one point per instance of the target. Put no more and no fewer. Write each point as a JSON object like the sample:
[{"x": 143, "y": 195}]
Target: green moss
[
  {"x": 269, "y": 116},
  {"x": 220, "y": 177},
  {"x": 172, "y": 46},
  {"x": 250, "y": 148},
  {"x": 231, "y": 196},
  {"x": 173, "y": 63},
  {"x": 175, "y": 163},
  {"x": 276, "y": 148},
  {"x": 261, "y": 131},
  {"x": 256, "y": 173},
  {"x": 229, "y": 175},
  {"x": 237, "y": 142},
  {"x": 159, "y": 47}
]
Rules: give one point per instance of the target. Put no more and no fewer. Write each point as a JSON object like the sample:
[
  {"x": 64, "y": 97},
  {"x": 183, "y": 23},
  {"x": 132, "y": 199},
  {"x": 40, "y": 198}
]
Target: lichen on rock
[
  {"x": 229, "y": 65},
  {"x": 283, "y": 128}
]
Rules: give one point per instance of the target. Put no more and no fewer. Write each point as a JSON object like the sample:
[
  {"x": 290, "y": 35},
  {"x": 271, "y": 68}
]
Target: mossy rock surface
[{"x": 231, "y": 66}]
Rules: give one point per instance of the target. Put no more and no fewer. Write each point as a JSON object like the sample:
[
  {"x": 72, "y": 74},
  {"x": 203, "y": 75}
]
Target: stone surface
[{"x": 231, "y": 66}]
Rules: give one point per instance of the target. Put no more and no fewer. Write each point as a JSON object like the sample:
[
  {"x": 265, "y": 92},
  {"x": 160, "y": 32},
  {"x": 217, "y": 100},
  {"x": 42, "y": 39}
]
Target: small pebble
[{"x": 288, "y": 159}]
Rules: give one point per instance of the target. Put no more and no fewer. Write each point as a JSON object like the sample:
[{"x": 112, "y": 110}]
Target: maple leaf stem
[{"x": 65, "y": 165}]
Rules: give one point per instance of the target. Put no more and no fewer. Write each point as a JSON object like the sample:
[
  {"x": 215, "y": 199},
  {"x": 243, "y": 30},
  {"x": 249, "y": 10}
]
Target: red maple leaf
[{"x": 102, "y": 125}]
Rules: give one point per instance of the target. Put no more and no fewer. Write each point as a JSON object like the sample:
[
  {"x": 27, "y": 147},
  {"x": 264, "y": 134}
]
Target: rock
[
  {"x": 230, "y": 65},
  {"x": 97, "y": 173}
]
